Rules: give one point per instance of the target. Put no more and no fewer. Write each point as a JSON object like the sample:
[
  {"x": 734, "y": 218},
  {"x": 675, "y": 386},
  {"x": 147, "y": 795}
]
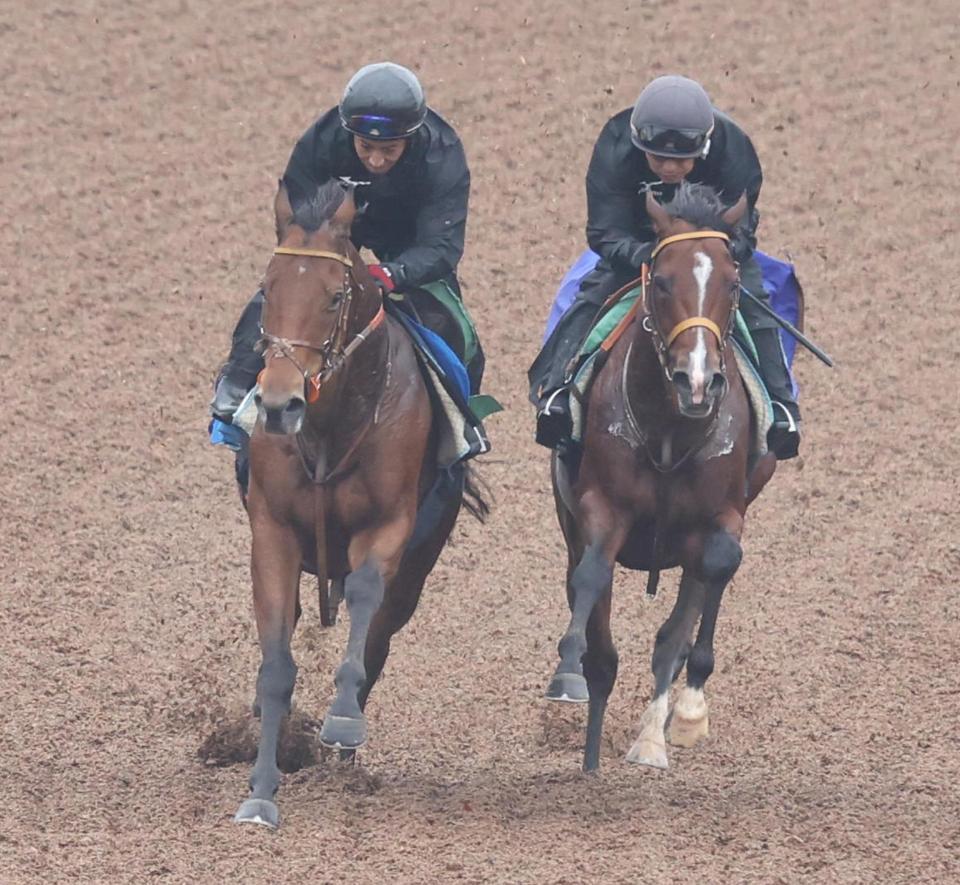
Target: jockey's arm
[
  {"x": 308, "y": 166},
  {"x": 739, "y": 172},
  {"x": 440, "y": 228},
  {"x": 613, "y": 230}
]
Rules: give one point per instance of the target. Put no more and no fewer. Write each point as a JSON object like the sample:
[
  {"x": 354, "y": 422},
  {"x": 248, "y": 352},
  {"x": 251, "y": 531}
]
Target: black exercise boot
[
  {"x": 783, "y": 438},
  {"x": 242, "y": 367}
]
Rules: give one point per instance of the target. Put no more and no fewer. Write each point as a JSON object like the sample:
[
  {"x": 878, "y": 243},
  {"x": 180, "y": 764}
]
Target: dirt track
[{"x": 139, "y": 156}]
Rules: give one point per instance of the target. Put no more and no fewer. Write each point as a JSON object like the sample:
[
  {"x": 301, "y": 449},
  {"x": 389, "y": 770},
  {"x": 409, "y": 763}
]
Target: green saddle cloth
[{"x": 444, "y": 293}]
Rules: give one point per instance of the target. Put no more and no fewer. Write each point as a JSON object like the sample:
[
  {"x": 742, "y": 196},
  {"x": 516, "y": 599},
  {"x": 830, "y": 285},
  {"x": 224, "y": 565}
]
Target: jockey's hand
[
  {"x": 641, "y": 255},
  {"x": 382, "y": 277},
  {"x": 741, "y": 245}
]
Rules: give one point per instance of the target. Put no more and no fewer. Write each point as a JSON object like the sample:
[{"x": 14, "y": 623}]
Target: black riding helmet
[
  {"x": 673, "y": 117},
  {"x": 383, "y": 101}
]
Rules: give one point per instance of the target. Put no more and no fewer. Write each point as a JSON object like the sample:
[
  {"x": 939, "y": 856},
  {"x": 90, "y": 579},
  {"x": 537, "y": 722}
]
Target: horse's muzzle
[
  {"x": 285, "y": 418},
  {"x": 698, "y": 401}
]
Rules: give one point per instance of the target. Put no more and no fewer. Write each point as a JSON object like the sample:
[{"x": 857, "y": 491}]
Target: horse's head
[
  {"x": 313, "y": 288},
  {"x": 692, "y": 292}
]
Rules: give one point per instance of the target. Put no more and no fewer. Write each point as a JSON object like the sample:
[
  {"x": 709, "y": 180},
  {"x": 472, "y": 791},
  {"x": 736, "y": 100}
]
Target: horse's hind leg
[
  {"x": 275, "y": 567},
  {"x": 600, "y": 670},
  {"x": 689, "y": 720},
  {"x": 590, "y": 580},
  {"x": 669, "y": 655},
  {"x": 402, "y": 596}
]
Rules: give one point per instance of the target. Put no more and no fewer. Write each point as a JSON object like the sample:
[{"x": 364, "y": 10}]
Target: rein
[{"x": 333, "y": 352}]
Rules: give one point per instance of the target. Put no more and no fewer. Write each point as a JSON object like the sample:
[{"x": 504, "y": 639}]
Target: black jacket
[
  {"x": 618, "y": 227},
  {"x": 415, "y": 216}
]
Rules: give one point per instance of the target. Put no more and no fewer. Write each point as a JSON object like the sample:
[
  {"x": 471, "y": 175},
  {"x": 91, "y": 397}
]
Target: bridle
[
  {"x": 651, "y": 323},
  {"x": 333, "y": 352},
  {"x": 667, "y": 462}
]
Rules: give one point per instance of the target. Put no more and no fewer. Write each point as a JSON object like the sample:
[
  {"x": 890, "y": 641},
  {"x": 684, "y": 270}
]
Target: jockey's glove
[
  {"x": 641, "y": 255},
  {"x": 382, "y": 277},
  {"x": 741, "y": 245}
]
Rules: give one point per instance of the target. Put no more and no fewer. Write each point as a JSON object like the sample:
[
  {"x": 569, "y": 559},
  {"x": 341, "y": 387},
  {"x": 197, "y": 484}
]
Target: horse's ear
[
  {"x": 282, "y": 210},
  {"x": 734, "y": 215},
  {"x": 658, "y": 215},
  {"x": 344, "y": 215}
]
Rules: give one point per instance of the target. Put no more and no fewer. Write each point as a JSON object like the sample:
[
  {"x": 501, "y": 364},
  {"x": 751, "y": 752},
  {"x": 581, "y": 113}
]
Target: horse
[
  {"x": 664, "y": 476},
  {"x": 342, "y": 458}
]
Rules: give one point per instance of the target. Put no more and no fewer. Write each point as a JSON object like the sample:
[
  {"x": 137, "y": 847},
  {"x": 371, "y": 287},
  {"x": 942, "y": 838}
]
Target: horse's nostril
[
  {"x": 717, "y": 384},
  {"x": 295, "y": 405},
  {"x": 682, "y": 379}
]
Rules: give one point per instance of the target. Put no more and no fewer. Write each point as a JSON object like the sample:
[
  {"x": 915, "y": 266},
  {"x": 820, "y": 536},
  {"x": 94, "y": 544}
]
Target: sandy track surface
[{"x": 140, "y": 149}]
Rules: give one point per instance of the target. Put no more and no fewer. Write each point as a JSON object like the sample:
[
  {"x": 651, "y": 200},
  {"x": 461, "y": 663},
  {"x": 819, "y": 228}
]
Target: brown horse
[
  {"x": 342, "y": 458},
  {"x": 663, "y": 479}
]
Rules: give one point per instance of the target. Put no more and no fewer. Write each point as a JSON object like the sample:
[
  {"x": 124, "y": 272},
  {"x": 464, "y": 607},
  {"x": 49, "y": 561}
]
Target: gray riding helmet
[
  {"x": 383, "y": 101},
  {"x": 673, "y": 117}
]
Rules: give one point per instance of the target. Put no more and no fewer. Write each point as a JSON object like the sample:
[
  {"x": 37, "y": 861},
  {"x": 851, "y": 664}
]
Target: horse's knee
[
  {"x": 276, "y": 679},
  {"x": 721, "y": 557}
]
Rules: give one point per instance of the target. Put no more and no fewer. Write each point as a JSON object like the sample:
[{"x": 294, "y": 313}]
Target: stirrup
[{"x": 547, "y": 407}]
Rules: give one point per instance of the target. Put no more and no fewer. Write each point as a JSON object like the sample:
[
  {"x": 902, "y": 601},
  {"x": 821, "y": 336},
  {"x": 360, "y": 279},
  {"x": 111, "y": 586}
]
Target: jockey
[
  {"x": 672, "y": 133},
  {"x": 416, "y": 185}
]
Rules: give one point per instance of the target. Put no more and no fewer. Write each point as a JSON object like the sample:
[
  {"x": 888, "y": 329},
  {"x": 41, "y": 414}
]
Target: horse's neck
[{"x": 649, "y": 401}]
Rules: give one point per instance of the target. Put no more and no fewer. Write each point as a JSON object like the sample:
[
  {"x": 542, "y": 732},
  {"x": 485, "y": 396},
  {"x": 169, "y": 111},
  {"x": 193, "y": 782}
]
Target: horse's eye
[
  {"x": 661, "y": 283},
  {"x": 336, "y": 301}
]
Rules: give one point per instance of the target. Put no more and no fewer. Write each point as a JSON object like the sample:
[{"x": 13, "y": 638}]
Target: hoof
[
  {"x": 343, "y": 732},
  {"x": 647, "y": 752},
  {"x": 689, "y": 721},
  {"x": 570, "y": 688},
  {"x": 258, "y": 811},
  {"x": 683, "y": 732}
]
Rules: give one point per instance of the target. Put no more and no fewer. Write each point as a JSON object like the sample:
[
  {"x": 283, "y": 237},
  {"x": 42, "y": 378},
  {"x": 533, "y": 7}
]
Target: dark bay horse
[
  {"x": 343, "y": 454},
  {"x": 665, "y": 476}
]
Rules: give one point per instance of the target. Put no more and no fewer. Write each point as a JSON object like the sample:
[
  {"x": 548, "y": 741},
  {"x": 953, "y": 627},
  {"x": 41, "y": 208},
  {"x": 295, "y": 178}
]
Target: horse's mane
[
  {"x": 699, "y": 205},
  {"x": 312, "y": 212}
]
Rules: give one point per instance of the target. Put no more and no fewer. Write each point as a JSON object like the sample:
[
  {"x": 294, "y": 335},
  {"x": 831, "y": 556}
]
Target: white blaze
[{"x": 702, "y": 269}]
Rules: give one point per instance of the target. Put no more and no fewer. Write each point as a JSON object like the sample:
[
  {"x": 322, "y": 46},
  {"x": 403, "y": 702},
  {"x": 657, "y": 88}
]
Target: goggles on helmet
[
  {"x": 377, "y": 127},
  {"x": 670, "y": 142}
]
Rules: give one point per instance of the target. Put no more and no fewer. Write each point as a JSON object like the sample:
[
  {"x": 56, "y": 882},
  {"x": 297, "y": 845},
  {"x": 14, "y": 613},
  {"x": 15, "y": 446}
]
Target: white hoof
[
  {"x": 647, "y": 752},
  {"x": 689, "y": 721}
]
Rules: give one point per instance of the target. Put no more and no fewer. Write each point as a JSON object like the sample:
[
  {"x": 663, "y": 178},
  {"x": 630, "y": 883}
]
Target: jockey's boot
[
  {"x": 783, "y": 438},
  {"x": 554, "y": 424},
  {"x": 556, "y": 367},
  {"x": 240, "y": 371}
]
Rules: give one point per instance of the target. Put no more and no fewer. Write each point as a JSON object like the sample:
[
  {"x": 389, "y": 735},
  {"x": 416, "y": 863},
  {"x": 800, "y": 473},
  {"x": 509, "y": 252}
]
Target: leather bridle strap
[
  {"x": 314, "y": 253},
  {"x": 693, "y": 323},
  {"x": 691, "y": 235}
]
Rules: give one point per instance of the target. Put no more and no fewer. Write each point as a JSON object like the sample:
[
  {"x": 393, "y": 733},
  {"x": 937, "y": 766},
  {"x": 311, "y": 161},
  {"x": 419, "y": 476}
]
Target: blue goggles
[{"x": 377, "y": 127}]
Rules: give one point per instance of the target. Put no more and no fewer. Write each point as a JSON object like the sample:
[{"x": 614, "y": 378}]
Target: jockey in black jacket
[
  {"x": 672, "y": 133},
  {"x": 413, "y": 203}
]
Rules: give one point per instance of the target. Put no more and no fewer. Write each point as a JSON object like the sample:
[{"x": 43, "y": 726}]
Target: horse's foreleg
[
  {"x": 689, "y": 721},
  {"x": 589, "y": 581},
  {"x": 669, "y": 654},
  {"x": 600, "y": 670},
  {"x": 275, "y": 566}
]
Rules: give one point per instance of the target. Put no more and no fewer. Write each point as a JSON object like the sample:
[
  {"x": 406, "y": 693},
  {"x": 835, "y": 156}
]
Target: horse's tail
[{"x": 473, "y": 499}]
